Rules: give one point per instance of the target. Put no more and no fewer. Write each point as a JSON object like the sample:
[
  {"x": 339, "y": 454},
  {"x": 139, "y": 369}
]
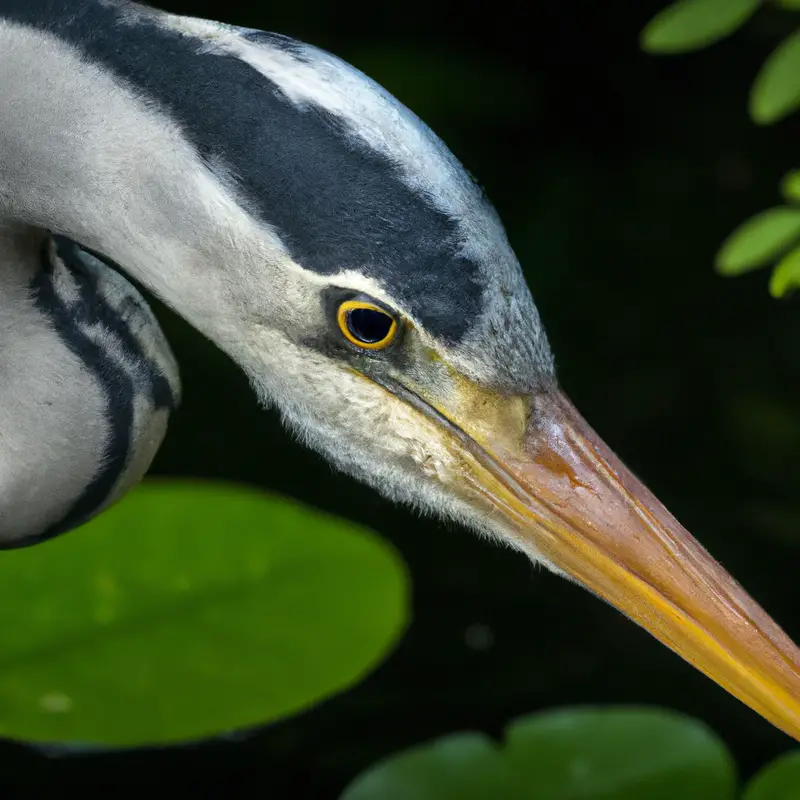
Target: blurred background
[{"x": 618, "y": 175}]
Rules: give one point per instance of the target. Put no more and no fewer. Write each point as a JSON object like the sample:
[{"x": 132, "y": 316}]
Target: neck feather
[{"x": 83, "y": 155}]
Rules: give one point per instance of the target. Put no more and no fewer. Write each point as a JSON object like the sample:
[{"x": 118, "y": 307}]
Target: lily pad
[
  {"x": 779, "y": 780},
  {"x": 611, "y": 754},
  {"x": 570, "y": 754},
  {"x": 190, "y": 610},
  {"x": 464, "y": 766}
]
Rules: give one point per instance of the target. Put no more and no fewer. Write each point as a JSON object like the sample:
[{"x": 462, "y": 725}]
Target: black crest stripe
[{"x": 336, "y": 203}]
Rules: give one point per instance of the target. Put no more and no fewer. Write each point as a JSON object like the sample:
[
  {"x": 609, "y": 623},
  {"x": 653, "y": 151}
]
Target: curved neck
[
  {"x": 83, "y": 155},
  {"x": 52, "y": 418}
]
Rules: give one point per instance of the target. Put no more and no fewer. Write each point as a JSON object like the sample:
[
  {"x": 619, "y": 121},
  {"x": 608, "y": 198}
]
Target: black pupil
[{"x": 369, "y": 326}]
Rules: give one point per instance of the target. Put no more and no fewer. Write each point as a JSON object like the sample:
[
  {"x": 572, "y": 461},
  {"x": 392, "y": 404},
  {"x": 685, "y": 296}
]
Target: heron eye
[{"x": 365, "y": 325}]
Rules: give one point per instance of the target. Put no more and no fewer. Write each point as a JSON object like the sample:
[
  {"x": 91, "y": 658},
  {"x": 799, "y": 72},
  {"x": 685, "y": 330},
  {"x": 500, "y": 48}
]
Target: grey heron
[{"x": 323, "y": 237}]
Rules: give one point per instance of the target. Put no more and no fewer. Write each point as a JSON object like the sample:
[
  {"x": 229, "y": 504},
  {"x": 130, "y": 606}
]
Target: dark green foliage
[
  {"x": 790, "y": 186},
  {"x": 759, "y": 240},
  {"x": 776, "y": 89},
  {"x": 691, "y": 24},
  {"x": 775, "y": 93}
]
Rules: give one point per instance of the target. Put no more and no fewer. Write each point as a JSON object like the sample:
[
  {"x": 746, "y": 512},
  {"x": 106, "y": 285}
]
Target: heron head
[
  {"x": 343, "y": 257},
  {"x": 401, "y": 340}
]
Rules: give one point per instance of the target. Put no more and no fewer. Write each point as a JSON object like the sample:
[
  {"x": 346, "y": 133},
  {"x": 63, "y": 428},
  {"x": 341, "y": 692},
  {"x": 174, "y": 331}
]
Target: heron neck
[
  {"x": 52, "y": 411},
  {"x": 82, "y": 155}
]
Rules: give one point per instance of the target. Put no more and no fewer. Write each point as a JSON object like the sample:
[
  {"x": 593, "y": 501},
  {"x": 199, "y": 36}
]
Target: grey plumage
[
  {"x": 243, "y": 192},
  {"x": 265, "y": 190},
  {"x": 87, "y": 382}
]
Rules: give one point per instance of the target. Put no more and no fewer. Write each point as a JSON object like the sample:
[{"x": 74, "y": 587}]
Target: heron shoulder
[{"x": 92, "y": 382}]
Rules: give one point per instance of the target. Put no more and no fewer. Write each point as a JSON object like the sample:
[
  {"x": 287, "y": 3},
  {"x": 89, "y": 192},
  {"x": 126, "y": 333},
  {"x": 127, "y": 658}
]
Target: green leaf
[
  {"x": 570, "y": 754},
  {"x": 790, "y": 186},
  {"x": 759, "y": 240},
  {"x": 792, "y": 5},
  {"x": 694, "y": 24},
  {"x": 779, "y": 780},
  {"x": 189, "y": 610},
  {"x": 786, "y": 275},
  {"x": 611, "y": 754},
  {"x": 464, "y": 766},
  {"x": 776, "y": 90}
]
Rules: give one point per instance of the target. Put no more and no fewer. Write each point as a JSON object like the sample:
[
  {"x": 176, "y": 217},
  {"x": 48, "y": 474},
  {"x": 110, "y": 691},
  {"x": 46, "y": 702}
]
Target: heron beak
[{"x": 563, "y": 496}]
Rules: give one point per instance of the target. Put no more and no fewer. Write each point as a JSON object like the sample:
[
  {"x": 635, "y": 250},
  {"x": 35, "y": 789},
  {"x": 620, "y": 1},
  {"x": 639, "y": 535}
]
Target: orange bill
[
  {"x": 569, "y": 499},
  {"x": 534, "y": 470}
]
